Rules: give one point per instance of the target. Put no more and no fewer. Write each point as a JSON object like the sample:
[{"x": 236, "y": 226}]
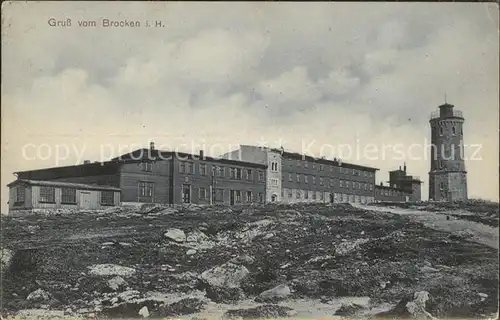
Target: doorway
[
  {"x": 186, "y": 193},
  {"x": 85, "y": 202},
  {"x": 231, "y": 197},
  {"x": 331, "y": 198},
  {"x": 273, "y": 198}
]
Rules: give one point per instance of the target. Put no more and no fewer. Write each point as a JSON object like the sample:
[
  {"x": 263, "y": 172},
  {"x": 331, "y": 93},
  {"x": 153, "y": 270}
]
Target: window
[
  {"x": 249, "y": 174},
  {"x": 232, "y": 173},
  {"x": 107, "y": 198},
  {"x": 321, "y": 180},
  {"x": 321, "y": 167},
  {"x": 314, "y": 195},
  {"x": 461, "y": 131},
  {"x": 341, "y": 183},
  {"x": 306, "y": 194},
  {"x": 261, "y": 175},
  {"x": 454, "y": 130},
  {"x": 202, "y": 193},
  {"x": 249, "y": 196},
  {"x": 314, "y": 165},
  {"x": 237, "y": 195},
  {"x": 182, "y": 167},
  {"x": 298, "y": 163},
  {"x": 298, "y": 194},
  {"x": 274, "y": 166},
  {"x": 347, "y": 184},
  {"x": 341, "y": 170},
  {"x": 238, "y": 173},
  {"x": 289, "y": 193},
  {"x": 274, "y": 182},
  {"x": 354, "y": 172},
  {"x": 366, "y": 186},
  {"x": 290, "y": 177},
  {"x": 20, "y": 193},
  {"x": 298, "y": 178},
  {"x": 442, "y": 186},
  {"x": 146, "y": 166},
  {"x": 321, "y": 196},
  {"x": 146, "y": 189},
  {"x": 331, "y": 182},
  {"x": 47, "y": 194},
  {"x": 441, "y": 131},
  {"x": 261, "y": 197},
  {"x": 313, "y": 180},
  {"x": 68, "y": 196},
  {"x": 306, "y": 179},
  {"x": 306, "y": 164},
  {"x": 203, "y": 169},
  {"x": 190, "y": 168},
  {"x": 219, "y": 194},
  {"x": 371, "y": 187}
]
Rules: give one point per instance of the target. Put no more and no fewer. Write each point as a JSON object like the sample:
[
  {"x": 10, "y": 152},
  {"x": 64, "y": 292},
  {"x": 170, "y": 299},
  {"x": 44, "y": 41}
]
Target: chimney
[
  {"x": 86, "y": 161},
  {"x": 201, "y": 154},
  {"x": 381, "y": 184},
  {"x": 404, "y": 167},
  {"x": 151, "y": 145}
]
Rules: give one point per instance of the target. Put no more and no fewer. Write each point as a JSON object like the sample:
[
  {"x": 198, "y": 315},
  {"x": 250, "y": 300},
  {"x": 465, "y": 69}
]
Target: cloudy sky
[{"x": 308, "y": 76}]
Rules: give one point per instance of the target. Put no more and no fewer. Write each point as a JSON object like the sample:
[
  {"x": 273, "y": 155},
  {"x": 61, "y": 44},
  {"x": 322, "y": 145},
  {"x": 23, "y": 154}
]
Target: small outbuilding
[{"x": 36, "y": 194}]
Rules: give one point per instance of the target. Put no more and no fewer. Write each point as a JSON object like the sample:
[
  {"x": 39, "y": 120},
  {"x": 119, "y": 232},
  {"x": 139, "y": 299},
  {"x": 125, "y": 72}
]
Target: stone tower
[{"x": 447, "y": 177}]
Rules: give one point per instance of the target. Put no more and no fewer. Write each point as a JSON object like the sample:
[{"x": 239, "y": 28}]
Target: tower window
[
  {"x": 454, "y": 131},
  {"x": 441, "y": 131}
]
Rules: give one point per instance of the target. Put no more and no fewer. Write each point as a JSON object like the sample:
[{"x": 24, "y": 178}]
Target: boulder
[
  {"x": 275, "y": 294},
  {"x": 191, "y": 252},
  {"x": 5, "y": 259},
  {"x": 412, "y": 306},
  {"x": 143, "y": 312},
  {"x": 182, "y": 307},
  {"x": 176, "y": 235},
  {"x": 111, "y": 270},
  {"x": 223, "y": 283},
  {"x": 39, "y": 295},
  {"x": 116, "y": 283},
  {"x": 196, "y": 236}
]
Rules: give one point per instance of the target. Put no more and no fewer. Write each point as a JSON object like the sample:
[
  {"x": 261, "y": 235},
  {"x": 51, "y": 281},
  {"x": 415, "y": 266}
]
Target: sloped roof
[{"x": 61, "y": 184}]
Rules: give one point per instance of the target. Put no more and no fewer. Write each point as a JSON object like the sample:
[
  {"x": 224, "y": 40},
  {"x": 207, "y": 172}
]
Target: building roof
[
  {"x": 81, "y": 186},
  {"x": 158, "y": 155},
  {"x": 377, "y": 186},
  {"x": 298, "y": 156}
]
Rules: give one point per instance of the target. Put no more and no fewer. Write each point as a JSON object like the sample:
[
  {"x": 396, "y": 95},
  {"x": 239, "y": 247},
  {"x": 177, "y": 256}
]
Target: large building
[
  {"x": 294, "y": 177},
  {"x": 447, "y": 176},
  {"x": 249, "y": 174},
  {"x": 146, "y": 176}
]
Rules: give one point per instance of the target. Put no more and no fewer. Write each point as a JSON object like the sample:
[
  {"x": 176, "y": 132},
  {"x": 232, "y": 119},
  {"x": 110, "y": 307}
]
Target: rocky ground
[{"x": 295, "y": 261}]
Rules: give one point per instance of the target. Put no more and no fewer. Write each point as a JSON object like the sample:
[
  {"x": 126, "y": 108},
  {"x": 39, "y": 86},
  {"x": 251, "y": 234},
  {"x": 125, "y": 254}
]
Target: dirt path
[{"x": 478, "y": 232}]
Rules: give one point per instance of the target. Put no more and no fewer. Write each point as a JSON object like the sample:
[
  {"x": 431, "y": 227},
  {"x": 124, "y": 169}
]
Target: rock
[
  {"x": 39, "y": 295},
  {"x": 117, "y": 283},
  {"x": 243, "y": 259},
  {"x": 348, "y": 310},
  {"x": 228, "y": 275},
  {"x": 196, "y": 236},
  {"x": 427, "y": 269},
  {"x": 39, "y": 314},
  {"x": 262, "y": 312},
  {"x": 347, "y": 247},
  {"x": 5, "y": 259},
  {"x": 111, "y": 270},
  {"x": 182, "y": 307},
  {"x": 223, "y": 283},
  {"x": 483, "y": 296},
  {"x": 144, "y": 312},
  {"x": 412, "y": 306},
  {"x": 275, "y": 294},
  {"x": 191, "y": 252},
  {"x": 176, "y": 235}
]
